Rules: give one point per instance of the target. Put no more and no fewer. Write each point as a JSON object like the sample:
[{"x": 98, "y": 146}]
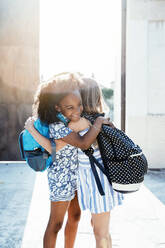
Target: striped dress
[{"x": 88, "y": 194}]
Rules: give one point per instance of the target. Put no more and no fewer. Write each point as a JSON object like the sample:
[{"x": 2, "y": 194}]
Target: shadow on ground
[
  {"x": 155, "y": 182},
  {"x": 16, "y": 187}
]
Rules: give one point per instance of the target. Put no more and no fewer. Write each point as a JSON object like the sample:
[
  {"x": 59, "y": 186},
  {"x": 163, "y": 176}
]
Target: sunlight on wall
[{"x": 79, "y": 36}]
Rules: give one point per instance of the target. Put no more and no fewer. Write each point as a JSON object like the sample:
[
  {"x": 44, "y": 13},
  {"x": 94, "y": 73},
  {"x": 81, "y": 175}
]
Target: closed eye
[{"x": 69, "y": 107}]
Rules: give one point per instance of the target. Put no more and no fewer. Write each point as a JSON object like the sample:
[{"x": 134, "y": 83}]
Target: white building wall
[{"x": 145, "y": 81}]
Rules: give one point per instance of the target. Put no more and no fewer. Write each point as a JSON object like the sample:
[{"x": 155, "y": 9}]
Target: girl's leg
[
  {"x": 58, "y": 210},
  {"x": 74, "y": 214},
  {"x": 100, "y": 223}
]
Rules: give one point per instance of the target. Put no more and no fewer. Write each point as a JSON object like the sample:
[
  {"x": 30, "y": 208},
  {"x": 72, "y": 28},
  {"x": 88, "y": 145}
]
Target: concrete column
[
  {"x": 145, "y": 85},
  {"x": 19, "y": 69}
]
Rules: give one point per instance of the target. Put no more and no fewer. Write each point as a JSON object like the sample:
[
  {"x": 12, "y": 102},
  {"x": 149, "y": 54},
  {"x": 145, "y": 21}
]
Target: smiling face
[{"x": 71, "y": 106}]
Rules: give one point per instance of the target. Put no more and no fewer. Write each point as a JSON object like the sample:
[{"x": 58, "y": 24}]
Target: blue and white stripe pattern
[{"x": 88, "y": 194}]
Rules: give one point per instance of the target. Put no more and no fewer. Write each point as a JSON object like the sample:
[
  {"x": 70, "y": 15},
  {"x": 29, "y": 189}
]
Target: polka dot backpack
[{"x": 124, "y": 162}]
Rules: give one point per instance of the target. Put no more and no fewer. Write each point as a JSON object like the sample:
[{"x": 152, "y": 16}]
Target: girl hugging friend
[{"x": 71, "y": 182}]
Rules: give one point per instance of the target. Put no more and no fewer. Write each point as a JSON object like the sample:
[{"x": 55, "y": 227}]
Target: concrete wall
[
  {"x": 19, "y": 69},
  {"x": 145, "y": 90}
]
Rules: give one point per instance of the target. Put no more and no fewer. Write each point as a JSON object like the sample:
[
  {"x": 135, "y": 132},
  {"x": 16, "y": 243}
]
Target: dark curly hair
[{"x": 50, "y": 93}]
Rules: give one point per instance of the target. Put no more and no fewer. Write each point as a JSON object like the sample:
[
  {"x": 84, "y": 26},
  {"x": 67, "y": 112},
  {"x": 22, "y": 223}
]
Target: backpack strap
[
  {"x": 99, "y": 186},
  {"x": 100, "y": 166},
  {"x": 21, "y": 145},
  {"x": 53, "y": 144},
  {"x": 94, "y": 162}
]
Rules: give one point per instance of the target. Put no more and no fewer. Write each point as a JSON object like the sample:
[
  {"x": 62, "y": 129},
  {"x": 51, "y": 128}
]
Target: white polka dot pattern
[{"x": 116, "y": 148}]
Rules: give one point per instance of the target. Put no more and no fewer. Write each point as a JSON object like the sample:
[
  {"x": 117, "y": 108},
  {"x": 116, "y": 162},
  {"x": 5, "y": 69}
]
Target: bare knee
[
  {"x": 101, "y": 235},
  {"x": 74, "y": 218},
  {"x": 55, "y": 226},
  {"x": 101, "y": 229},
  {"x": 103, "y": 239}
]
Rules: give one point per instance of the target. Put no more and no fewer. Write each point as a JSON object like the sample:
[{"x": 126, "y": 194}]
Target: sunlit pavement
[{"x": 24, "y": 211}]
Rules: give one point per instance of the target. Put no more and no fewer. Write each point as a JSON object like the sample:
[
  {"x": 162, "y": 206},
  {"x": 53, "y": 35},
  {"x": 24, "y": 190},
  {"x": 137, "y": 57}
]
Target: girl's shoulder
[
  {"x": 56, "y": 125},
  {"x": 79, "y": 125},
  {"x": 58, "y": 130},
  {"x": 91, "y": 117},
  {"x": 84, "y": 121}
]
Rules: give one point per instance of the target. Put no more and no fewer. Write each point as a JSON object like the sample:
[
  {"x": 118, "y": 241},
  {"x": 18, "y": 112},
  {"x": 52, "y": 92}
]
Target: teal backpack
[{"x": 32, "y": 152}]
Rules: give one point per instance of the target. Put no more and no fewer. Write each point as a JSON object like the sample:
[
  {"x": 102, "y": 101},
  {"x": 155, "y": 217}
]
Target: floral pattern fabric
[
  {"x": 63, "y": 173},
  {"x": 58, "y": 130}
]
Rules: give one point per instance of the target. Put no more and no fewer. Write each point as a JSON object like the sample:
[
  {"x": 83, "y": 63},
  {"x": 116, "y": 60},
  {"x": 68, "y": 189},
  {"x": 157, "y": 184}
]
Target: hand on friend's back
[
  {"x": 105, "y": 121},
  {"x": 29, "y": 123}
]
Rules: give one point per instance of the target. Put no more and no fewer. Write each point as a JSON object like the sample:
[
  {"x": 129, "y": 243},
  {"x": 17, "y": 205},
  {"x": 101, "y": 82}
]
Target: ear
[{"x": 57, "y": 108}]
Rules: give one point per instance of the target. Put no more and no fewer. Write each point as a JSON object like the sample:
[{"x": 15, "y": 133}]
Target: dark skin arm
[
  {"x": 74, "y": 139},
  {"x": 85, "y": 141}
]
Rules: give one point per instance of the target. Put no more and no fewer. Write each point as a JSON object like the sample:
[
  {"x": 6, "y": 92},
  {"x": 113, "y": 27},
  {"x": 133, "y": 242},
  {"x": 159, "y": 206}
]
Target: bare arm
[
  {"x": 42, "y": 140},
  {"x": 79, "y": 125},
  {"x": 73, "y": 138},
  {"x": 85, "y": 141},
  {"x": 45, "y": 142}
]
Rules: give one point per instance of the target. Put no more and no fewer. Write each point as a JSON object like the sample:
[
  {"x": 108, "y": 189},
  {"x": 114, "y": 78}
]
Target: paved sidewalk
[{"x": 138, "y": 223}]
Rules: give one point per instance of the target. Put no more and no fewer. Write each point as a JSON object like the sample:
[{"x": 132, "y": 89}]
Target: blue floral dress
[{"x": 63, "y": 173}]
